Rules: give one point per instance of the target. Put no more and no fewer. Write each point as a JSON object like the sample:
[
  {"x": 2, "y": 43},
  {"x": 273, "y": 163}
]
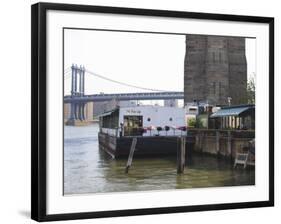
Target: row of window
[{"x": 149, "y": 119}]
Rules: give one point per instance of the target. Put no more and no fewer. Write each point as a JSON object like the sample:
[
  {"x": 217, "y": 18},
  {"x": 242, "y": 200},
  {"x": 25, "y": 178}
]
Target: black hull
[{"x": 119, "y": 147}]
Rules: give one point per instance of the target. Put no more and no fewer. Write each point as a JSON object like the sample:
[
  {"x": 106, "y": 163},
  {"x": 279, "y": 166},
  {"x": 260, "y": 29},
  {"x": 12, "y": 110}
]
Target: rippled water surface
[{"x": 89, "y": 170}]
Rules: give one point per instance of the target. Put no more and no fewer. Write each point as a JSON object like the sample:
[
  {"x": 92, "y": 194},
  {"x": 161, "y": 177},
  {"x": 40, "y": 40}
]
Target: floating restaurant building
[{"x": 156, "y": 128}]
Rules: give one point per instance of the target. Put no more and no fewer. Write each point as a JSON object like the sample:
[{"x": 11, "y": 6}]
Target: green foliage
[
  {"x": 191, "y": 122},
  {"x": 251, "y": 90},
  {"x": 198, "y": 123}
]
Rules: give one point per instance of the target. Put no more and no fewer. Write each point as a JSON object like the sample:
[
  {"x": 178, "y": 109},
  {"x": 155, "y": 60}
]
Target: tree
[
  {"x": 251, "y": 90},
  {"x": 191, "y": 122}
]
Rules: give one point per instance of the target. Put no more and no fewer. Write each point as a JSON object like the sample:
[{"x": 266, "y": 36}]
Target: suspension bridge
[
  {"x": 80, "y": 103},
  {"x": 124, "y": 97}
]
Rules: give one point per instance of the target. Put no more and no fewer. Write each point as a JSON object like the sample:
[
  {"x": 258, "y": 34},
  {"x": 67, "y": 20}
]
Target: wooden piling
[
  {"x": 130, "y": 158},
  {"x": 218, "y": 142},
  {"x": 181, "y": 154},
  {"x": 229, "y": 145}
]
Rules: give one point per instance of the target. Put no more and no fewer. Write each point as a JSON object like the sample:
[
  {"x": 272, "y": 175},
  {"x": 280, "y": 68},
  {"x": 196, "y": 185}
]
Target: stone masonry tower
[{"x": 215, "y": 68}]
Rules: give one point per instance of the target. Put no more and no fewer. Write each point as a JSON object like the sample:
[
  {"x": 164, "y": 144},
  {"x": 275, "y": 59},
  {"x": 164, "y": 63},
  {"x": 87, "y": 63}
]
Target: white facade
[{"x": 157, "y": 116}]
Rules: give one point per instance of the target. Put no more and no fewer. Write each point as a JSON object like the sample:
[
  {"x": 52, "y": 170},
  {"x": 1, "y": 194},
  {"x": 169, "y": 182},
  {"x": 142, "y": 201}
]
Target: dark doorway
[{"x": 133, "y": 126}]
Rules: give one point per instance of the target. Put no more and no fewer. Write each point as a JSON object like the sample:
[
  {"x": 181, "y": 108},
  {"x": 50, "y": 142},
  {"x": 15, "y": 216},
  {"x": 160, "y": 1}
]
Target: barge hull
[{"x": 119, "y": 147}]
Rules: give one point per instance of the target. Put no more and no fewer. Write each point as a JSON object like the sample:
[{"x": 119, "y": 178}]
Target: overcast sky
[{"x": 154, "y": 61}]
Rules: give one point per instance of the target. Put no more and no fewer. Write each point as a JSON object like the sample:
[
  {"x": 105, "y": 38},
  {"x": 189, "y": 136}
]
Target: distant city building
[
  {"x": 215, "y": 70},
  {"x": 171, "y": 103},
  {"x": 66, "y": 109},
  {"x": 101, "y": 107},
  {"x": 88, "y": 111}
]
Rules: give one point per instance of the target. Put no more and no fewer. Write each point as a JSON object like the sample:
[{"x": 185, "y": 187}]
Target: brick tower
[{"x": 215, "y": 68}]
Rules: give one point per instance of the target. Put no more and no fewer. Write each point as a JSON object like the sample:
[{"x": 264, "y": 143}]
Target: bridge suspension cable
[
  {"x": 68, "y": 69},
  {"x": 67, "y": 77},
  {"x": 125, "y": 84}
]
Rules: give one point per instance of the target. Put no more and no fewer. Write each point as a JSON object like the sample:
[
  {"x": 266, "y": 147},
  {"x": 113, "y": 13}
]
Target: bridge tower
[
  {"x": 80, "y": 112},
  {"x": 215, "y": 68}
]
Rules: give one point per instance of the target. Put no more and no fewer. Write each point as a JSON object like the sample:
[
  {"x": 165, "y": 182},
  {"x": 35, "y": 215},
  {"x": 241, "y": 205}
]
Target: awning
[
  {"x": 106, "y": 113},
  {"x": 231, "y": 111}
]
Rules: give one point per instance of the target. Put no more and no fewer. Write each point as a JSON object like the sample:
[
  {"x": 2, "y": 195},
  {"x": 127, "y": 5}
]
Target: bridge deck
[{"x": 125, "y": 96}]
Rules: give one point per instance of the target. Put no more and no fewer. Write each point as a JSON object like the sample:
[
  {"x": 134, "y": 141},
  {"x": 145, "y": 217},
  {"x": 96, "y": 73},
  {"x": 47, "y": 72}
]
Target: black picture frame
[{"x": 39, "y": 108}]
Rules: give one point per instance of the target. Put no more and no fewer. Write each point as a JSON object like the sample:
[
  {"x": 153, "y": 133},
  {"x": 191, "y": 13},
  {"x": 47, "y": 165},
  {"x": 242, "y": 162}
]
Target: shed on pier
[{"x": 240, "y": 117}]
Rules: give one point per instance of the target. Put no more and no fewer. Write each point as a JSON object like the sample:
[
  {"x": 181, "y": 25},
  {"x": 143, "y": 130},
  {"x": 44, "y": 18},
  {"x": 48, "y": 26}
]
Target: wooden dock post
[
  {"x": 181, "y": 154},
  {"x": 218, "y": 142},
  {"x": 130, "y": 158},
  {"x": 229, "y": 145}
]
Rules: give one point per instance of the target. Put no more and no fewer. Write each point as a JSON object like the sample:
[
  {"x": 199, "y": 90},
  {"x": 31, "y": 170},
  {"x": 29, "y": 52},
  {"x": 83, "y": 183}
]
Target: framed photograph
[{"x": 139, "y": 111}]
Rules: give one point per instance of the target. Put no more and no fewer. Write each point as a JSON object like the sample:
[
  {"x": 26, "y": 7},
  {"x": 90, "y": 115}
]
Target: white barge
[{"x": 156, "y": 128}]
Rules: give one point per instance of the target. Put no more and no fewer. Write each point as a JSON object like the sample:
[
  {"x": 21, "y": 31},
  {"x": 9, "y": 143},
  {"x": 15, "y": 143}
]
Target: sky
[{"x": 154, "y": 61}]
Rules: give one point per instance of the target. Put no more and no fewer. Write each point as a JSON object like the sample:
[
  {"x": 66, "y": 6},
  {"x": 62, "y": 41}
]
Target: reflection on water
[{"x": 89, "y": 170}]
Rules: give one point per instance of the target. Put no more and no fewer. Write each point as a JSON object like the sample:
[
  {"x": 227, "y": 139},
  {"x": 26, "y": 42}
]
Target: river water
[{"x": 90, "y": 170}]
